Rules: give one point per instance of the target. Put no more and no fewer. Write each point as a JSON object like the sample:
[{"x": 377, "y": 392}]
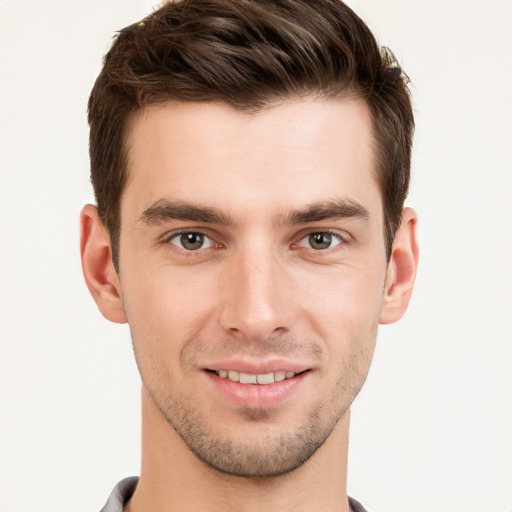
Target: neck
[{"x": 173, "y": 478}]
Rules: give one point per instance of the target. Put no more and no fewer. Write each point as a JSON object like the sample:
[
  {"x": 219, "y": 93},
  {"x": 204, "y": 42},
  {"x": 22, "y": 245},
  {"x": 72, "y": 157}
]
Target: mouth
[
  {"x": 263, "y": 379},
  {"x": 263, "y": 390}
]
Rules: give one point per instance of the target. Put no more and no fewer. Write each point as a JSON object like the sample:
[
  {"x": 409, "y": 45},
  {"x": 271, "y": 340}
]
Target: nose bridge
[{"x": 255, "y": 301}]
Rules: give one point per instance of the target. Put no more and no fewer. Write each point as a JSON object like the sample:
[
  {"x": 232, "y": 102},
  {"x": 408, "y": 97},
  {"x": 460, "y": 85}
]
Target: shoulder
[
  {"x": 355, "y": 505},
  {"x": 122, "y": 492}
]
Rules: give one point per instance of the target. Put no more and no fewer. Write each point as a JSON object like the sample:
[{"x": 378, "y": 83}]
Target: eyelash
[
  {"x": 341, "y": 240},
  {"x": 168, "y": 239}
]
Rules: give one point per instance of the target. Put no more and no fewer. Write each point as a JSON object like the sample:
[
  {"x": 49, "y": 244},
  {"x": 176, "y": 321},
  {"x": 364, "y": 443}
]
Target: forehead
[{"x": 295, "y": 153}]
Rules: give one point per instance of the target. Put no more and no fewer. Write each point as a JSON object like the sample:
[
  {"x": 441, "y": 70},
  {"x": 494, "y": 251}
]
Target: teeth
[
  {"x": 235, "y": 376},
  {"x": 265, "y": 378},
  {"x": 279, "y": 376},
  {"x": 247, "y": 378}
]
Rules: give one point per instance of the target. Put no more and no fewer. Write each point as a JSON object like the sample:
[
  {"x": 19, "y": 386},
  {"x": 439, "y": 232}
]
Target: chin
[{"x": 264, "y": 450}]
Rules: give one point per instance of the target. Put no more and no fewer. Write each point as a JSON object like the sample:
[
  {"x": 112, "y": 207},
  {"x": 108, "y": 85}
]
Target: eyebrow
[
  {"x": 323, "y": 210},
  {"x": 164, "y": 209}
]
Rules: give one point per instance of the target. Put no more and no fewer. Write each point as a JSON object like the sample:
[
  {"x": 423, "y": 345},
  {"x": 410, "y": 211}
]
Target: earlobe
[
  {"x": 97, "y": 266},
  {"x": 402, "y": 268}
]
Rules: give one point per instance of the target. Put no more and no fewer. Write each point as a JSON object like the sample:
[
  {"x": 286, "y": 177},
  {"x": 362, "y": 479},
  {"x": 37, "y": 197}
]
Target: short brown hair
[{"x": 248, "y": 54}]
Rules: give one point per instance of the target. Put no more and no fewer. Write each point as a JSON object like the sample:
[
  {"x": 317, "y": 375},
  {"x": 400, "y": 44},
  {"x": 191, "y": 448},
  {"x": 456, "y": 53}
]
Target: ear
[
  {"x": 402, "y": 268},
  {"x": 98, "y": 269}
]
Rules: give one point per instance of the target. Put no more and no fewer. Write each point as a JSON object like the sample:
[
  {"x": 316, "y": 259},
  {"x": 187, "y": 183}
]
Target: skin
[{"x": 264, "y": 283}]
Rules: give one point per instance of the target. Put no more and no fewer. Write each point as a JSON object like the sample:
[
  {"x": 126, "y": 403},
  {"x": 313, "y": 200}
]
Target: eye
[
  {"x": 320, "y": 241},
  {"x": 191, "y": 241}
]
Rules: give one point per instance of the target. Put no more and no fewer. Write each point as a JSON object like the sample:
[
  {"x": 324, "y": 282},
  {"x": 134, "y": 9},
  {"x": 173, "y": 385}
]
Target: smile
[
  {"x": 258, "y": 390},
  {"x": 260, "y": 378}
]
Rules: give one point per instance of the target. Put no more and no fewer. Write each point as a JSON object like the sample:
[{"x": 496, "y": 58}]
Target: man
[{"x": 250, "y": 160}]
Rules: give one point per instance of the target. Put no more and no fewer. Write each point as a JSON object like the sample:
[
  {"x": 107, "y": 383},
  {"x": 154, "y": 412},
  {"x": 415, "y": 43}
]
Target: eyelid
[
  {"x": 343, "y": 238},
  {"x": 169, "y": 236}
]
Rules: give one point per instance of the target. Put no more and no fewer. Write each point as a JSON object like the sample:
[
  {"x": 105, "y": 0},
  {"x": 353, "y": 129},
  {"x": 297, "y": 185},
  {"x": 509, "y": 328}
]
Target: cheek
[
  {"x": 347, "y": 300},
  {"x": 167, "y": 294},
  {"x": 165, "y": 310},
  {"x": 346, "y": 316}
]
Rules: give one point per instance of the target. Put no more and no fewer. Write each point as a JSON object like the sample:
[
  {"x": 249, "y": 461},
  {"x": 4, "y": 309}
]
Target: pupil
[
  {"x": 320, "y": 240},
  {"x": 192, "y": 241}
]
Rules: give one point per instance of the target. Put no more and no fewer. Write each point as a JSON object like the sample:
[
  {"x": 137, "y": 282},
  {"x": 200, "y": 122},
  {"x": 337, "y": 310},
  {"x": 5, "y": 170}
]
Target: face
[{"x": 252, "y": 270}]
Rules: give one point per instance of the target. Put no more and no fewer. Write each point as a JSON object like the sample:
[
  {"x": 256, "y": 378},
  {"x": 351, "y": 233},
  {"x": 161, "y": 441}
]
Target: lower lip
[{"x": 257, "y": 396}]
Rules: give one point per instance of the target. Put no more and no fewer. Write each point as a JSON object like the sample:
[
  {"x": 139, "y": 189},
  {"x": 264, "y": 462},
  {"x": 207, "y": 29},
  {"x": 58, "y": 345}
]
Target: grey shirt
[{"x": 123, "y": 491}]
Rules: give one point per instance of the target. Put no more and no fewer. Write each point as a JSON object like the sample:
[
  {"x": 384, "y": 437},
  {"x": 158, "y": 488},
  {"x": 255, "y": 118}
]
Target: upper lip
[{"x": 258, "y": 367}]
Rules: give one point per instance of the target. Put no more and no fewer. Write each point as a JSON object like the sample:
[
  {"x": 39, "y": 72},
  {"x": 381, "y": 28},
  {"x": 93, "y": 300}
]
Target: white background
[{"x": 431, "y": 431}]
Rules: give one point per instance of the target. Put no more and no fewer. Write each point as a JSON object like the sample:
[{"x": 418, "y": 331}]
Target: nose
[{"x": 256, "y": 293}]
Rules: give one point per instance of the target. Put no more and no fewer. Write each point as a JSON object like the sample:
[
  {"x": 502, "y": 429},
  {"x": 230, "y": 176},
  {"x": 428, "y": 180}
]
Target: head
[
  {"x": 248, "y": 55},
  {"x": 250, "y": 161}
]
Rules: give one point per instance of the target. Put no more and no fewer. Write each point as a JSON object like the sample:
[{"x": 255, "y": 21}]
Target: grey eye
[
  {"x": 191, "y": 241},
  {"x": 320, "y": 241}
]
